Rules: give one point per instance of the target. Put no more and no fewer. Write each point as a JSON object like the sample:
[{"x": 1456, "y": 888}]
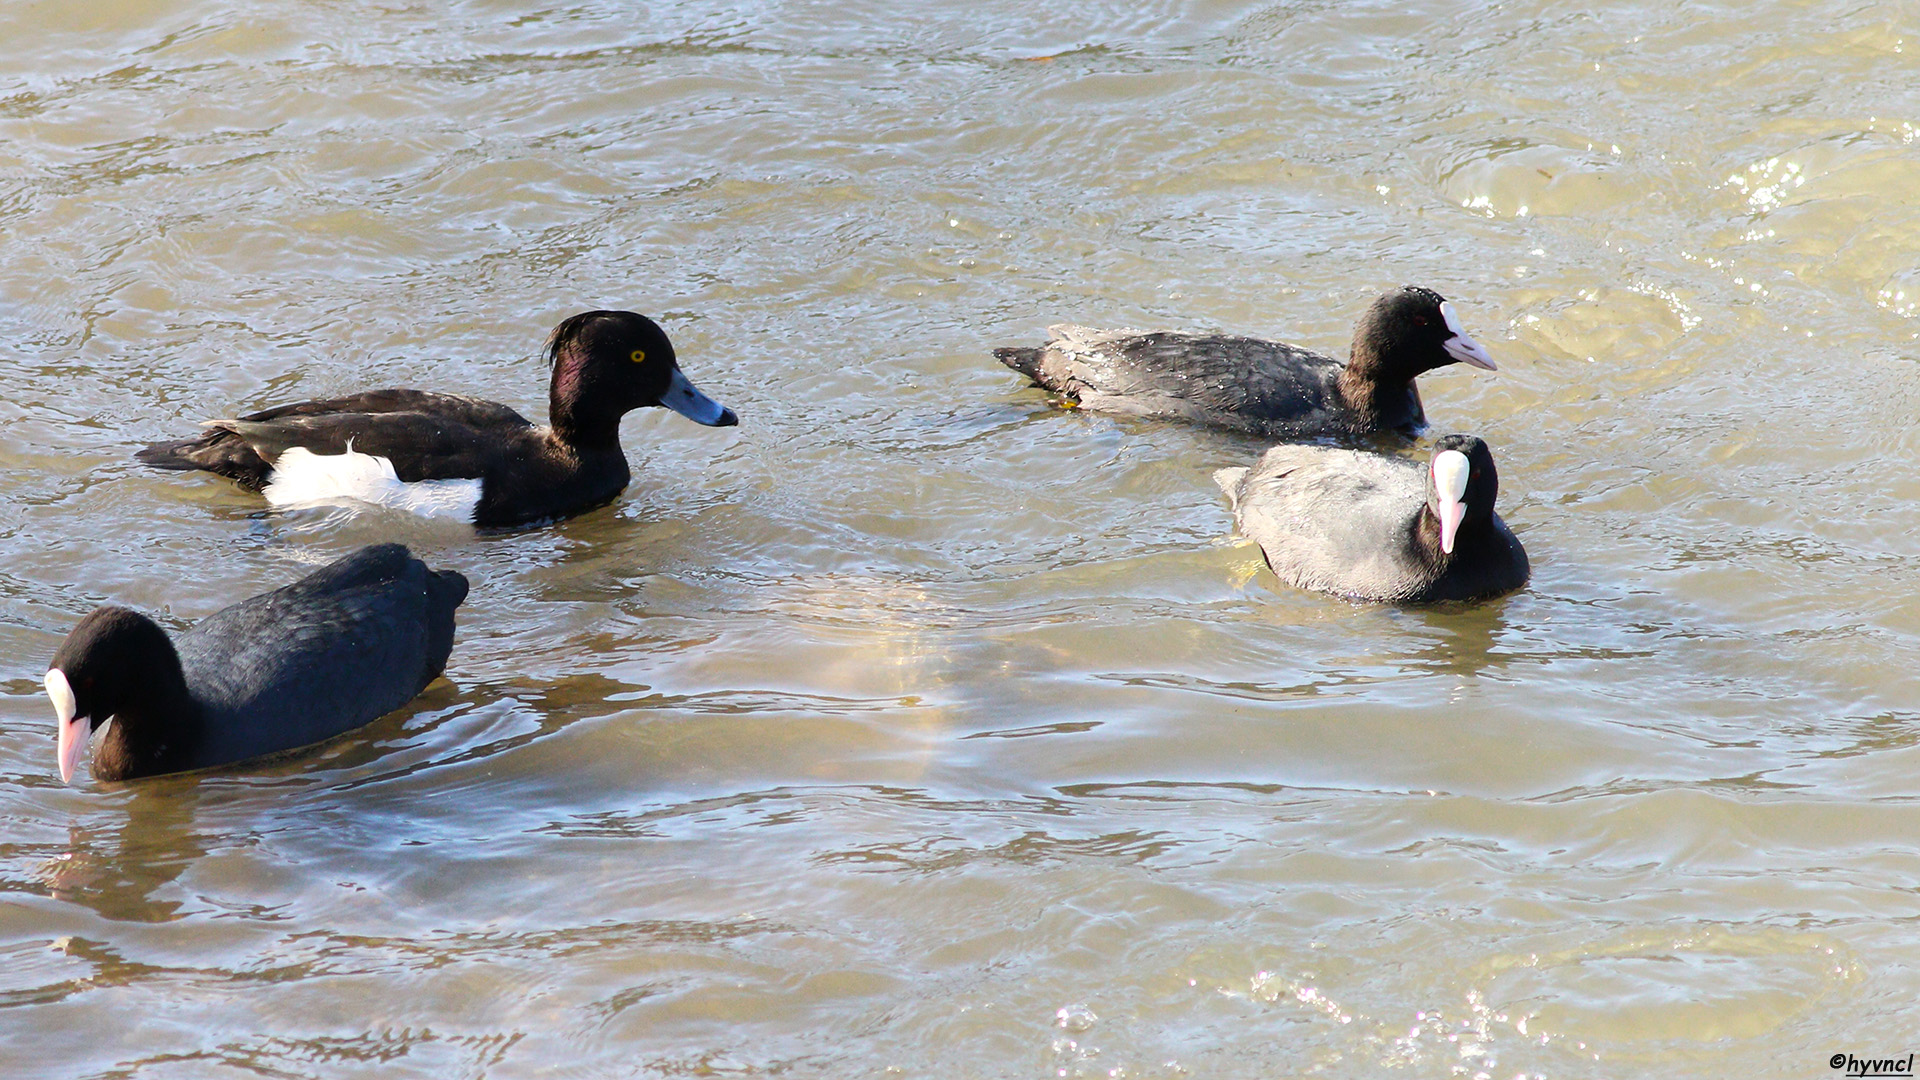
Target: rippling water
[{"x": 917, "y": 727}]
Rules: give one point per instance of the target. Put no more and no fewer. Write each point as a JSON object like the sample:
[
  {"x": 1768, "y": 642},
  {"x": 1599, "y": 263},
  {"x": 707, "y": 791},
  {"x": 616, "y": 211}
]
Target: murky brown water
[{"x": 915, "y": 727}]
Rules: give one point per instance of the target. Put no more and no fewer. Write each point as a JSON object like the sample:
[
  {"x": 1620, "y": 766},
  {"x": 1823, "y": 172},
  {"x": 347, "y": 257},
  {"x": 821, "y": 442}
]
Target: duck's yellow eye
[{"x": 639, "y": 356}]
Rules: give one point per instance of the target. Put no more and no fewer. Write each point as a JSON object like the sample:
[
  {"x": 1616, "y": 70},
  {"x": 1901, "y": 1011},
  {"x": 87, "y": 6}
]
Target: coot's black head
[
  {"x": 608, "y": 363},
  {"x": 1462, "y": 485},
  {"x": 1411, "y": 330},
  {"x": 115, "y": 663}
]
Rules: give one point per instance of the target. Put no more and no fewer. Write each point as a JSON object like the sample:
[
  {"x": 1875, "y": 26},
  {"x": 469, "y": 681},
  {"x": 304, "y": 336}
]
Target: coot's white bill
[{"x": 1462, "y": 347}]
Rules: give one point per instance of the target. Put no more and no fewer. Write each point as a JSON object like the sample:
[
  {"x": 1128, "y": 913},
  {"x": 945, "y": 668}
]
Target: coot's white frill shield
[
  {"x": 73, "y": 729},
  {"x": 1450, "y": 469}
]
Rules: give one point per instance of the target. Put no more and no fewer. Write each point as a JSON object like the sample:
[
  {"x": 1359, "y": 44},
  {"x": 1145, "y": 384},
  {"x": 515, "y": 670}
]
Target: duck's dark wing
[
  {"x": 1249, "y": 383},
  {"x": 426, "y": 436},
  {"x": 476, "y": 412},
  {"x": 342, "y": 646}
]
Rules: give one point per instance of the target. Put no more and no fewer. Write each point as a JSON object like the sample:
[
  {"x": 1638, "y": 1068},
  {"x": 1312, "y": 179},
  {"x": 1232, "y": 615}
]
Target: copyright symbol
[{"x": 1836, "y": 1061}]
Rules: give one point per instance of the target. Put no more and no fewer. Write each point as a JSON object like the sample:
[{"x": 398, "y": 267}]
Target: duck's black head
[
  {"x": 1411, "y": 330},
  {"x": 1462, "y": 485},
  {"x": 117, "y": 664},
  {"x": 608, "y": 363}
]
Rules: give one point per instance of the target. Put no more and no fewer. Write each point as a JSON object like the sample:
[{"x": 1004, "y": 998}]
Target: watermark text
[{"x": 1866, "y": 1067}]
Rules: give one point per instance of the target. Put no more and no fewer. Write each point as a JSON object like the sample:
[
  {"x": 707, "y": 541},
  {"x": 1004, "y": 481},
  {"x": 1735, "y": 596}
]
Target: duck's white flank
[{"x": 301, "y": 476}]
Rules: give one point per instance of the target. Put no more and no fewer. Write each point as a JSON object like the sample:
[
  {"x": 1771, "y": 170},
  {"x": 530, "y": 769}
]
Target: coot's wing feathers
[
  {"x": 324, "y": 655},
  {"x": 223, "y": 450},
  {"x": 376, "y": 564},
  {"x": 1244, "y": 382},
  {"x": 1335, "y": 520}
]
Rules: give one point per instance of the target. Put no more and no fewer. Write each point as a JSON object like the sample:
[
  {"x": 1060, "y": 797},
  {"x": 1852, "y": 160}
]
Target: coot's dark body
[
  {"x": 342, "y": 646},
  {"x": 1372, "y": 527},
  {"x": 1267, "y": 388}
]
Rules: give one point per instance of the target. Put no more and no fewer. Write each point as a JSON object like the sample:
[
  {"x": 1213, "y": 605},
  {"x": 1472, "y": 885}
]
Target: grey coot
[
  {"x": 1269, "y": 388},
  {"x": 342, "y": 646},
  {"x": 1373, "y": 527},
  {"x": 462, "y": 458}
]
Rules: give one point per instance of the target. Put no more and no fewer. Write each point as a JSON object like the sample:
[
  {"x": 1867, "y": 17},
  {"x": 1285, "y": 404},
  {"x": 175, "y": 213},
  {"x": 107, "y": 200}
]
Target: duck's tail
[
  {"x": 171, "y": 455},
  {"x": 219, "y": 450}
]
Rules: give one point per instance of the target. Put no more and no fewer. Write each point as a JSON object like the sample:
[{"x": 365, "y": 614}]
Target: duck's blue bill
[{"x": 687, "y": 400}]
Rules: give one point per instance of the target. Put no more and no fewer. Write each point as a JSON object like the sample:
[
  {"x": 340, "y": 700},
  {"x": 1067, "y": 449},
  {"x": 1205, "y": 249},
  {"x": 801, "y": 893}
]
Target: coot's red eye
[{"x": 1419, "y": 320}]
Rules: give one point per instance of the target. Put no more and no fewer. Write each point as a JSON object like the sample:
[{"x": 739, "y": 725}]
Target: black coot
[
  {"x": 1373, "y": 527},
  {"x": 1269, "y": 388},
  {"x": 442, "y": 455},
  {"x": 342, "y": 646}
]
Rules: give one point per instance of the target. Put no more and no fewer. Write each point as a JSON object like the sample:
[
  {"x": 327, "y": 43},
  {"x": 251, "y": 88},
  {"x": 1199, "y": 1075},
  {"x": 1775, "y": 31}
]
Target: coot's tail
[
  {"x": 410, "y": 591},
  {"x": 448, "y": 588},
  {"x": 445, "y": 590},
  {"x": 1024, "y": 361},
  {"x": 1229, "y": 481}
]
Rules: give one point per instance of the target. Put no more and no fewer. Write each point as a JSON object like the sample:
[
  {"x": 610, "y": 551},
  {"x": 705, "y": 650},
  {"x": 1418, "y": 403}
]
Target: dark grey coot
[
  {"x": 1373, "y": 527},
  {"x": 1269, "y": 388},
  {"x": 342, "y": 646},
  {"x": 441, "y": 455}
]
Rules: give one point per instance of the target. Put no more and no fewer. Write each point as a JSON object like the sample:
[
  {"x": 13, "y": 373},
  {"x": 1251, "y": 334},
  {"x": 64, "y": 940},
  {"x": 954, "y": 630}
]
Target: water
[{"x": 916, "y": 727}]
